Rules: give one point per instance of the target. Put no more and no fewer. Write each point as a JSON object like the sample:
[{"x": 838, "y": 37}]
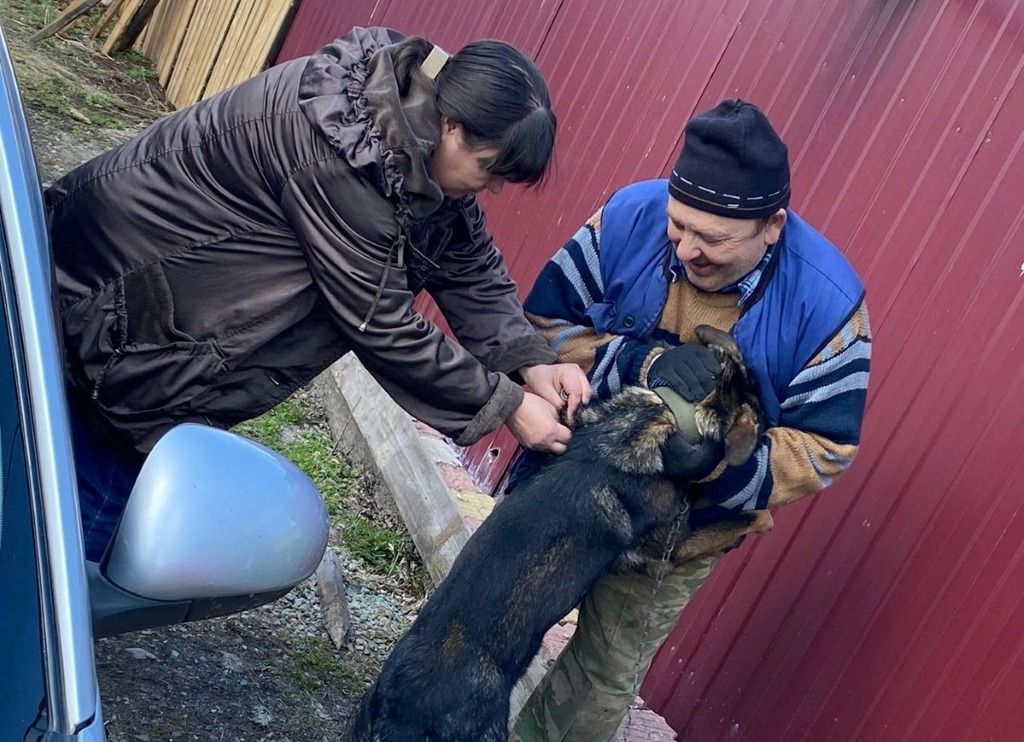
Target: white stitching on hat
[
  {"x": 688, "y": 182},
  {"x": 737, "y": 207},
  {"x": 729, "y": 195}
]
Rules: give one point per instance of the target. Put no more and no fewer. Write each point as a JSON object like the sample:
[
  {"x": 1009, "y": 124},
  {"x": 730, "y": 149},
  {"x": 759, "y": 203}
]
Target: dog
[{"x": 609, "y": 501}]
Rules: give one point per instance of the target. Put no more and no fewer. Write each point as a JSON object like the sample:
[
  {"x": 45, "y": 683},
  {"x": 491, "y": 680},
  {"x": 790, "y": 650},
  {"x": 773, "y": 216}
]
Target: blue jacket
[{"x": 805, "y": 296}]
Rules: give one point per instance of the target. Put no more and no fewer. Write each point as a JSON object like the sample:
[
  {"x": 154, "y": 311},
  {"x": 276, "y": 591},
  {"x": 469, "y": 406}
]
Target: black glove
[
  {"x": 690, "y": 369},
  {"x": 690, "y": 461}
]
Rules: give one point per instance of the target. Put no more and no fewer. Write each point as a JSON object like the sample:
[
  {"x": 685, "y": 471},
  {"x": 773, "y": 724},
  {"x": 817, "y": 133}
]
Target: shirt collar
[{"x": 745, "y": 286}]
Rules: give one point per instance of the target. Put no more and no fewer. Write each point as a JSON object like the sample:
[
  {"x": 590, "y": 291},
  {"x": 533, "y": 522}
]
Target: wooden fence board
[{"x": 200, "y": 47}]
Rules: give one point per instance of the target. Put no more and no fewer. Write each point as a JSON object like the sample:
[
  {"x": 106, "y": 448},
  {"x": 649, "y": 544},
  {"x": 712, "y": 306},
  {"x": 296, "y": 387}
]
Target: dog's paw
[{"x": 719, "y": 537}]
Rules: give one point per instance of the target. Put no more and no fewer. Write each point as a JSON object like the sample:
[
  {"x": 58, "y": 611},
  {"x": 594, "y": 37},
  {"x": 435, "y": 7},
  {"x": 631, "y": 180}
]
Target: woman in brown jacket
[{"x": 233, "y": 250}]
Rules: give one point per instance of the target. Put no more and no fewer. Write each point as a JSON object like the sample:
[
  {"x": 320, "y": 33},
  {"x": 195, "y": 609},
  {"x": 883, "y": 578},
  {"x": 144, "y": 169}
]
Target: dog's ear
[
  {"x": 718, "y": 339},
  {"x": 741, "y": 438}
]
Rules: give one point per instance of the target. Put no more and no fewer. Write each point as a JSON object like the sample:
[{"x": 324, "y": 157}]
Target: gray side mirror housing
[{"x": 215, "y": 523}]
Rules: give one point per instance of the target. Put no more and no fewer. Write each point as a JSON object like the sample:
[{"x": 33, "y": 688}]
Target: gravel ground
[{"x": 267, "y": 674}]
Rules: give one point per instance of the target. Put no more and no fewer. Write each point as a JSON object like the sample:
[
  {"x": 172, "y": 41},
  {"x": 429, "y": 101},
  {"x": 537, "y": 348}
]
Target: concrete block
[{"x": 380, "y": 436}]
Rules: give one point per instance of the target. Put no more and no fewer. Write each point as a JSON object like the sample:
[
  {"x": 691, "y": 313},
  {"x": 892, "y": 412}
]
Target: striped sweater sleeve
[
  {"x": 567, "y": 286},
  {"x": 819, "y": 429}
]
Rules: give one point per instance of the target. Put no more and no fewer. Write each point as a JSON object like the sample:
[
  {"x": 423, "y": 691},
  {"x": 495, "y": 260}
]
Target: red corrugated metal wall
[{"x": 891, "y": 607}]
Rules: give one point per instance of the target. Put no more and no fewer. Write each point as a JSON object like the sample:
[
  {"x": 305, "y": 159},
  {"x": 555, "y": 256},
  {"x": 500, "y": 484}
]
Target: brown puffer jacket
[{"x": 229, "y": 253}]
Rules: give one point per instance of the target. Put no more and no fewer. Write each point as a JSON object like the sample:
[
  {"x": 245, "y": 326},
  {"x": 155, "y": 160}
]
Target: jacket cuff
[
  {"x": 526, "y": 350},
  {"x": 506, "y": 399},
  {"x": 645, "y": 367}
]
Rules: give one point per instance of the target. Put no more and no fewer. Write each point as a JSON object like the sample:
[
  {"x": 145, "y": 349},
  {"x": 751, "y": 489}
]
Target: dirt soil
[{"x": 270, "y": 673}]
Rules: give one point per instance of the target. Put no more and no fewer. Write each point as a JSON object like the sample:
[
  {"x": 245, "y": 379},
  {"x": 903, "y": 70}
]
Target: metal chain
[{"x": 663, "y": 569}]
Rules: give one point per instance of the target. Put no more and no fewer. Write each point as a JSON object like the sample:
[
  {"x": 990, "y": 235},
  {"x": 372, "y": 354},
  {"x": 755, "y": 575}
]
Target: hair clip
[{"x": 434, "y": 62}]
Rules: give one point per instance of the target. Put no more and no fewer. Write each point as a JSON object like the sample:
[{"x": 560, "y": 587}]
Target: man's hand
[
  {"x": 691, "y": 370},
  {"x": 536, "y": 426},
  {"x": 558, "y": 383}
]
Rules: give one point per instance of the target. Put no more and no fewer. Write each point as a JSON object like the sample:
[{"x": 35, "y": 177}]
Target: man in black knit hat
[{"x": 715, "y": 244}]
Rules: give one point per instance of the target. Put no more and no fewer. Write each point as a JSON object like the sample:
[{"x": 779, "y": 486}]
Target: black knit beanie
[{"x": 732, "y": 163}]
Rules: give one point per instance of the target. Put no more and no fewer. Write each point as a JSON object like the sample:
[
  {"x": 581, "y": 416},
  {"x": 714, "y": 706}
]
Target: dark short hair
[{"x": 501, "y": 100}]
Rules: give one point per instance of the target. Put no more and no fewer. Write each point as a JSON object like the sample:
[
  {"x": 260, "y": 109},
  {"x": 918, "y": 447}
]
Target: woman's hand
[
  {"x": 536, "y": 426},
  {"x": 560, "y": 384}
]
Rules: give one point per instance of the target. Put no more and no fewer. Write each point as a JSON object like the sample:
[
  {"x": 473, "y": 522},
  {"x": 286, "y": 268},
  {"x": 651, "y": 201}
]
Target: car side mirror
[{"x": 215, "y": 523}]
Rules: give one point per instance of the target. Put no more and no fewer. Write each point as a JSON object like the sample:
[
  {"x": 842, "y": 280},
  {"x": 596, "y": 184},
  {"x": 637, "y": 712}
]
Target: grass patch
[
  {"x": 314, "y": 666},
  {"x": 381, "y": 549},
  {"x": 36, "y": 13},
  {"x": 98, "y": 99},
  {"x": 267, "y": 428},
  {"x": 137, "y": 67},
  {"x": 291, "y": 430},
  {"x": 67, "y": 82},
  {"x": 49, "y": 94},
  {"x": 56, "y": 97}
]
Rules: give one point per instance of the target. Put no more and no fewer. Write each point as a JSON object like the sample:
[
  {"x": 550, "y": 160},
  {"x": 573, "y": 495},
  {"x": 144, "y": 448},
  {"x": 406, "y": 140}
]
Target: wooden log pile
[{"x": 199, "y": 47}]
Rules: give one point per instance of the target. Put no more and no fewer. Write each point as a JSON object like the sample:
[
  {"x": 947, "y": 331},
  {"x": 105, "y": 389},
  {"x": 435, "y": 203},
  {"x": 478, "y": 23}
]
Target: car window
[{"x": 22, "y": 688}]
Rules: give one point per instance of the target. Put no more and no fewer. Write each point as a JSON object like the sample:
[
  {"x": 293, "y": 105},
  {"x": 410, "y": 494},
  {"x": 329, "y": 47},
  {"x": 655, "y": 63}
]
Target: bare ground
[{"x": 270, "y": 673}]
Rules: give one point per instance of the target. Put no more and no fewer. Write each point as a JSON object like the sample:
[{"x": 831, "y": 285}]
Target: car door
[{"x": 48, "y": 681}]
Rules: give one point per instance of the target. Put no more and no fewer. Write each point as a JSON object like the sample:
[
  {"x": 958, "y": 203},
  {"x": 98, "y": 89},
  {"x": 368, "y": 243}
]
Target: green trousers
[{"x": 585, "y": 695}]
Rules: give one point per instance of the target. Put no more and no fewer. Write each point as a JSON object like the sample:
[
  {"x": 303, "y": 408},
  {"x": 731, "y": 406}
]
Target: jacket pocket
[
  {"x": 141, "y": 379},
  {"x": 148, "y": 308},
  {"x": 154, "y": 367}
]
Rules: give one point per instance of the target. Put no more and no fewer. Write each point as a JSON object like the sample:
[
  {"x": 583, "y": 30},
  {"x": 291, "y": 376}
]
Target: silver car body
[
  {"x": 71, "y": 680},
  {"x": 215, "y": 524}
]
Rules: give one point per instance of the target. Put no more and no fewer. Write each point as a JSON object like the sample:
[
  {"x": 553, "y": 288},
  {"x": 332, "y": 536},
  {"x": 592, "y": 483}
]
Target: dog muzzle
[{"x": 683, "y": 411}]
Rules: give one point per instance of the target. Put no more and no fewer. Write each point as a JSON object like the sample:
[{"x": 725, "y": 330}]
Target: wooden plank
[
  {"x": 108, "y": 15},
  {"x": 141, "y": 38},
  {"x": 330, "y": 587},
  {"x": 282, "y": 24},
  {"x": 73, "y": 12},
  {"x": 280, "y": 12},
  {"x": 184, "y": 81},
  {"x": 213, "y": 45},
  {"x": 129, "y": 24},
  {"x": 135, "y": 26},
  {"x": 175, "y": 26},
  {"x": 249, "y": 43},
  {"x": 265, "y": 37},
  {"x": 153, "y": 40},
  {"x": 212, "y": 41},
  {"x": 240, "y": 35},
  {"x": 150, "y": 43},
  {"x": 127, "y": 9}
]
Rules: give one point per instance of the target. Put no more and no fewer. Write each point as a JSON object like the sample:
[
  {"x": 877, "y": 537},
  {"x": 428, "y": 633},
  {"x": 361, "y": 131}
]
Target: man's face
[
  {"x": 458, "y": 168},
  {"x": 717, "y": 250}
]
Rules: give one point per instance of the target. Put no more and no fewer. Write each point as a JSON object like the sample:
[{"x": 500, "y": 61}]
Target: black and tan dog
[{"x": 610, "y": 498}]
